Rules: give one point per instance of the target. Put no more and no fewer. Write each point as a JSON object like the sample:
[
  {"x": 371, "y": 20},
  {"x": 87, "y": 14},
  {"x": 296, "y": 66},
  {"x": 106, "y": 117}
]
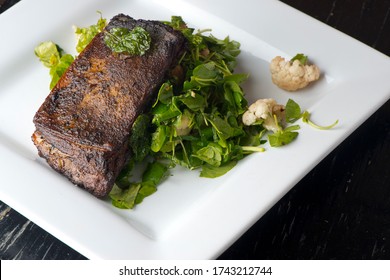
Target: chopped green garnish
[{"x": 132, "y": 42}]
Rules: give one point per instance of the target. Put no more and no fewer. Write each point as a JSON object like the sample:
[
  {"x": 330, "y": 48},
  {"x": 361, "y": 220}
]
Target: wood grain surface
[{"x": 340, "y": 210}]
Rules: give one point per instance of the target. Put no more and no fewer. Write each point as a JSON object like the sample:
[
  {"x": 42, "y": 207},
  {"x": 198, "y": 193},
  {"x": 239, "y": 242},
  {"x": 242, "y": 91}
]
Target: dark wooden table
[{"x": 347, "y": 214}]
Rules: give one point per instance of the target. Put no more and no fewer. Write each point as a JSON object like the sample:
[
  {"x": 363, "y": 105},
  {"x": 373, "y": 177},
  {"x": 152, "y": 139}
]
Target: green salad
[{"x": 196, "y": 119}]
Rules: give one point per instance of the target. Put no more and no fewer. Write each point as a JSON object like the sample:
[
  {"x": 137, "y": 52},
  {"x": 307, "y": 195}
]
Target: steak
[{"x": 84, "y": 124}]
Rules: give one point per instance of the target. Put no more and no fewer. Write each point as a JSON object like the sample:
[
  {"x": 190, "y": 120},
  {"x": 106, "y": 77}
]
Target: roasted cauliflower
[
  {"x": 293, "y": 74},
  {"x": 264, "y": 111}
]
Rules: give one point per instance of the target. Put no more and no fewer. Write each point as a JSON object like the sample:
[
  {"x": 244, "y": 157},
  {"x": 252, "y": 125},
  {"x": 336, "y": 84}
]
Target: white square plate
[{"x": 189, "y": 217}]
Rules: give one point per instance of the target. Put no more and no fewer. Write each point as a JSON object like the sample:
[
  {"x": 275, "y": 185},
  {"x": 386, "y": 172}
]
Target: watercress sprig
[{"x": 294, "y": 113}]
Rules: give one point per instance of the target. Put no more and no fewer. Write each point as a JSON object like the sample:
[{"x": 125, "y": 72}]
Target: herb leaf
[
  {"x": 293, "y": 111},
  {"x": 132, "y": 42}
]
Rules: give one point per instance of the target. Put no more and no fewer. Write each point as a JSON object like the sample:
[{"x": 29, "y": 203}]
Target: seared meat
[{"x": 83, "y": 126}]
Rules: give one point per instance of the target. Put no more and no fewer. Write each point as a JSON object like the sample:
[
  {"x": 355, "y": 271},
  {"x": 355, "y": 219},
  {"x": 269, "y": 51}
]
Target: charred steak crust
[{"x": 83, "y": 126}]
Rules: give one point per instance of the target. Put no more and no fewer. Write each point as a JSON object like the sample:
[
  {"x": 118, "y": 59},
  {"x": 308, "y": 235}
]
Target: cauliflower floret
[
  {"x": 264, "y": 110},
  {"x": 293, "y": 75}
]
